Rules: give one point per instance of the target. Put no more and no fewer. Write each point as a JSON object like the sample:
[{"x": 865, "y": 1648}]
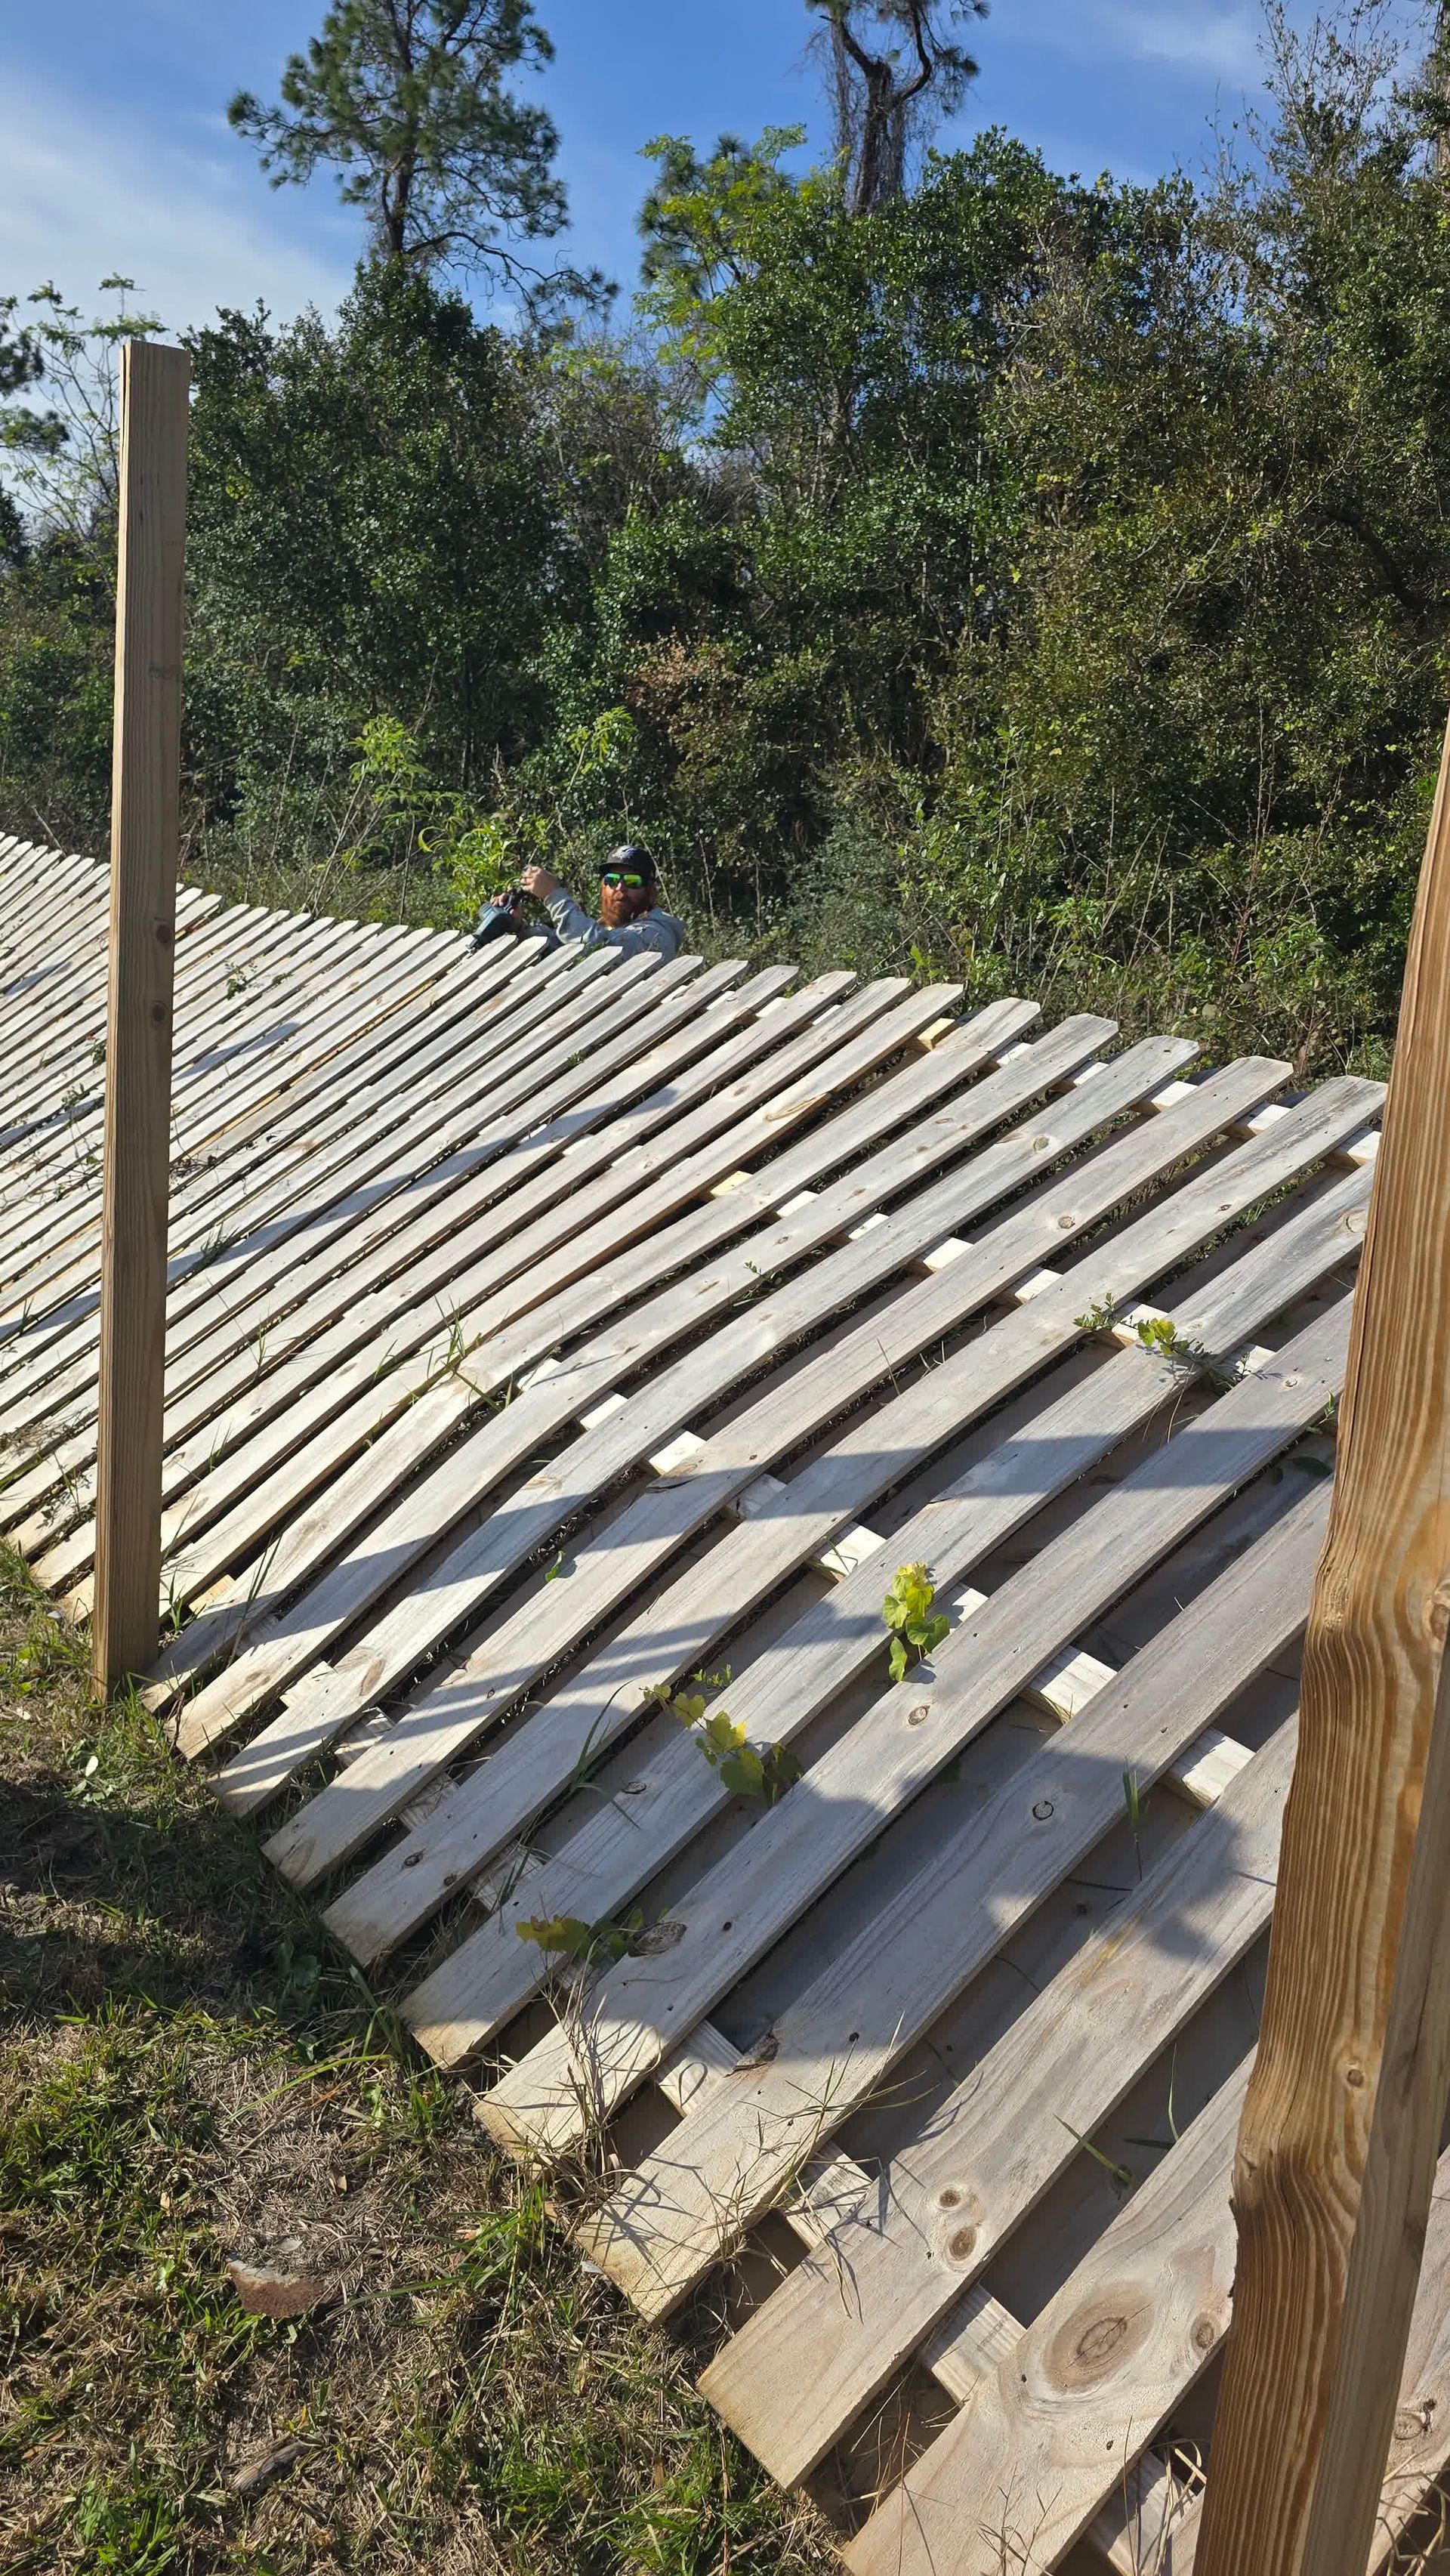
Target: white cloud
[
  {"x": 1222, "y": 42},
  {"x": 86, "y": 197}
]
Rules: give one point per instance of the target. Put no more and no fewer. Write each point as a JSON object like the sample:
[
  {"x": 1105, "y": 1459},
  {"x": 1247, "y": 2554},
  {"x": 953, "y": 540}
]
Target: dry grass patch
[{"x": 190, "y": 2078}]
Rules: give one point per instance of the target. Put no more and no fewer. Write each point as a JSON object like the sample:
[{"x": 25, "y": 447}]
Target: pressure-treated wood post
[
  {"x": 1342, "y": 2122},
  {"x": 145, "y": 806}
]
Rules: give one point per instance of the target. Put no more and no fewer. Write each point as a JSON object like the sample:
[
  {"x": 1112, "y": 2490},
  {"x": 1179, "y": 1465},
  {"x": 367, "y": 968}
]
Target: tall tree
[
  {"x": 1437, "y": 82},
  {"x": 890, "y": 61},
  {"x": 409, "y": 100}
]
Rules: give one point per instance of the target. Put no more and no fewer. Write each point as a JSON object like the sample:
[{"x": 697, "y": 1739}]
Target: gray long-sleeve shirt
[{"x": 656, "y": 931}]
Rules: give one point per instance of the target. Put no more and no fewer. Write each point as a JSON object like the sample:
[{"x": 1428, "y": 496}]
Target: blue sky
[{"x": 115, "y": 153}]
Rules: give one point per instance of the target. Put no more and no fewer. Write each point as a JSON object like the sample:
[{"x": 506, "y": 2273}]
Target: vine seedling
[
  {"x": 1100, "y": 1317},
  {"x": 567, "y": 1937},
  {"x": 744, "y": 1771},
  {"x": 1159, "y": 1333},
  {"x": 1133, "y": 1803},
  {"x": 907, "y": 1611}
]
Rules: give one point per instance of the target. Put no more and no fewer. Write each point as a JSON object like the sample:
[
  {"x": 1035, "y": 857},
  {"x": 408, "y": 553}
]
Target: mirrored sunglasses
[{"x": 619, "y": 877}]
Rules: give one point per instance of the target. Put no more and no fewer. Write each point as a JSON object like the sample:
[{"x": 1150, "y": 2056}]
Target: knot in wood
[
  {"x": 919, "y": 1715},
  {"x": 961, "y": 2244},
  {"x": 949, "y": 2199},
  {"x": 1043, "y": 1810},
  {"x": 1099, "y": 2340},
  {"x": 1205, "y": 2334}
]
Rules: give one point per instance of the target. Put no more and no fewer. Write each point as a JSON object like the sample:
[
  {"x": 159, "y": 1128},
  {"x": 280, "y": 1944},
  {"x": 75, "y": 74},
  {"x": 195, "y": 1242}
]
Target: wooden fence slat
[
  {"x": 331, "y": 1311},
  {"x": 203, "y": 1207},
  {"x": 836, "y": 1641},
  {"x": 291, "y": 1642},
  {"x": 60, "y": 1011},
  {"x": 232, "y": 1259},
  {"x": 664, "y": 2226},
  {"x": 42, "y": 1194},
  {"x": 230, "y": 1062},
  {"x": 289, "y": 1197},
  {"x": 325, "y": 1833},
  {"x": 1023, "y": 2469},
  {"x": 54, "y": 1233},
  {"x": 318, "y": 1439},
  {"x": 807, "y": 1222},
  {"x": 841, "y": 2326},
  {"x": 79, "y": 1024}
]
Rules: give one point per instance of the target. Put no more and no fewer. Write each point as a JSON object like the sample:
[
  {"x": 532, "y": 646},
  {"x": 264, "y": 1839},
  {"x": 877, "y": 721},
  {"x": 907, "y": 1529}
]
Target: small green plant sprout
[
  {"x": 743, "y": 1769},
  {"x": 72, "y": 1099},
  {"x": 565, "y": 1936},
  {"x": 687, "y": 1706},
  {"x": 1100, "y": 1317},
  {"x": 98, "y": 1051},
  {"x": 237, "y": 982},
  {"x": 1133, "y": 1802},
  {"x": 1160, "y": 2146},
  {"x": 1115, "y": 2172},
  {"x": 1159, "y": 1333},
  {"x": 916, "y": 1628}
]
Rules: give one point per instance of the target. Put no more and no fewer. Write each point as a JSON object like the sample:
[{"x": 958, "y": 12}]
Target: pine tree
[
  {"x": 879, "y": 95},
  {"x": 409, "y": 100}
]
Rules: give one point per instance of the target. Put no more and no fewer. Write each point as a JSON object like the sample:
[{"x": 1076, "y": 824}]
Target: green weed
[
  {"x": 745, "y": 1770},
  {"x": 1159, "y": 1333},
  {"x": 1100, "y": 1316},
  {"x": 916, "y": 1629}
]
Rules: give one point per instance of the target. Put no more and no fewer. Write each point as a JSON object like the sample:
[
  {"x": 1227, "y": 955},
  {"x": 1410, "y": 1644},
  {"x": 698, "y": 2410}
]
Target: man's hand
[{"x": 537, "y": 881}]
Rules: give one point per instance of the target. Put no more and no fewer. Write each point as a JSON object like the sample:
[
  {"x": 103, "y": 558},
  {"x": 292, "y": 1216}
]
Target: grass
[{"x": 188, "y": 2074}]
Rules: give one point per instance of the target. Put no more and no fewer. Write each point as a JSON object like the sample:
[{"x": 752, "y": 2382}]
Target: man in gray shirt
[{"x": 631, "y": 916}]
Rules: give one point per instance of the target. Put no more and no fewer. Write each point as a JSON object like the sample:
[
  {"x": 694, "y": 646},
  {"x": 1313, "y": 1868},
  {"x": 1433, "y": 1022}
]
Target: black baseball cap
[{"x": 630, "y": 855}]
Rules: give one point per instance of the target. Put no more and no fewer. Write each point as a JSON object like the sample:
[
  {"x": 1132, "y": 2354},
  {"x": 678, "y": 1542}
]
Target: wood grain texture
[
  {"x": 840, "y": 2326},
  {"x": 684, "y": 1622},
  {"x": 145, "y": 801},
  {"x": 1343, "y": 2115},
  {"x": 473, "y": 1992},
  {"x": 668, "y": 2220},
  {"x": 1044, "y": 2444}
]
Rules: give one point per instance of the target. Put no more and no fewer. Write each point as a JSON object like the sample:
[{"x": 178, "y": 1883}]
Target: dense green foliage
[{"x": 1043, "y": 581}]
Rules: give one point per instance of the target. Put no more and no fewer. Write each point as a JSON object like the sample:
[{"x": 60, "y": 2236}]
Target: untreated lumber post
[
  {"x": 1342, "y": 2122},
  {"x": 145, "y": 815}
]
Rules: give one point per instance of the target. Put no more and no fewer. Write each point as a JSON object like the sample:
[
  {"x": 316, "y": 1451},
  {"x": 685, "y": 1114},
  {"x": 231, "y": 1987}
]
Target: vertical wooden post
[
  {"x": 1342, "y": 2121},
  {"x": 145, "y": 815}
]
